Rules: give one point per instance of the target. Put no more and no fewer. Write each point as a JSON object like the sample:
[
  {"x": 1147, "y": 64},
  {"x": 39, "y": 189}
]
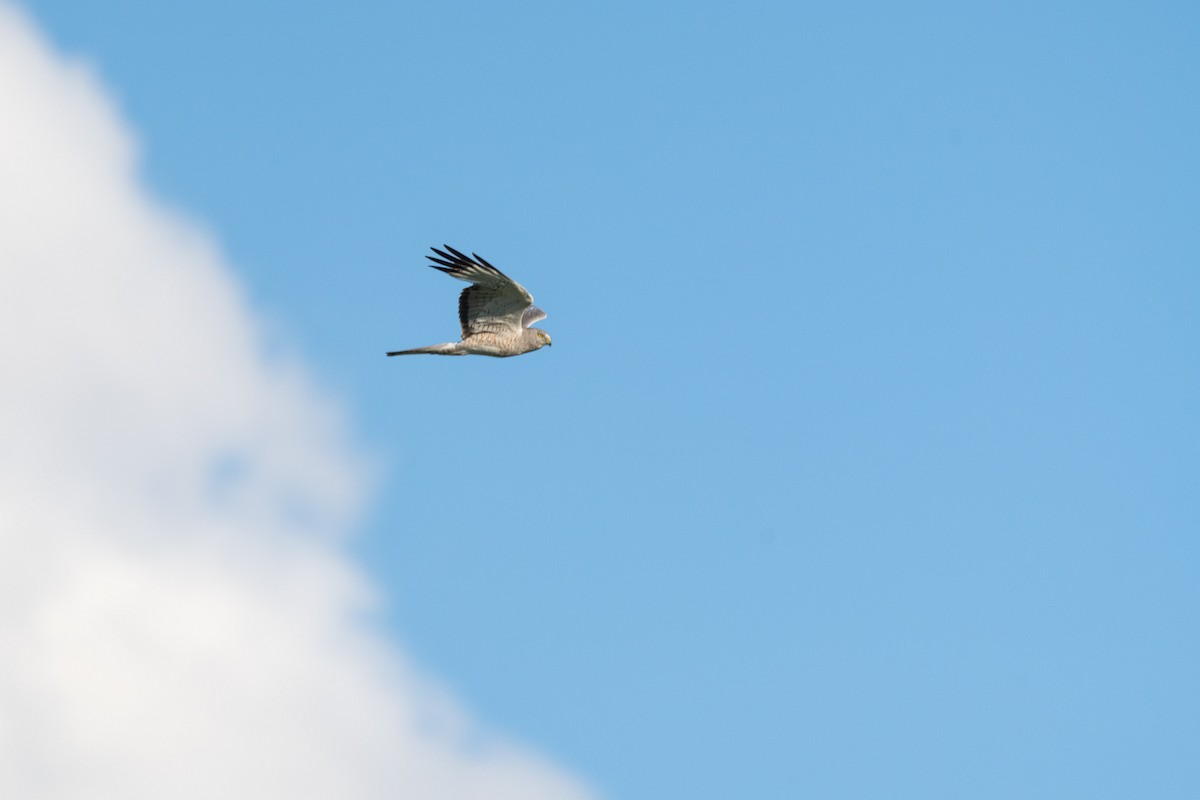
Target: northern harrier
[{"x": 495, "y": 311}]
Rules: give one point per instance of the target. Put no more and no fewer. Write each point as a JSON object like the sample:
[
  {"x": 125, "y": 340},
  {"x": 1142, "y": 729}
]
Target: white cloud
[{"x": 176, "y": 617}]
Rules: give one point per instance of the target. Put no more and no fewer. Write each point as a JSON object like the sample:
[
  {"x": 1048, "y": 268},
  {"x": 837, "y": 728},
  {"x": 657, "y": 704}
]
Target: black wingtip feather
[
  {"x": 484, "y": 263},
  {"x": 452, "y": 261}
]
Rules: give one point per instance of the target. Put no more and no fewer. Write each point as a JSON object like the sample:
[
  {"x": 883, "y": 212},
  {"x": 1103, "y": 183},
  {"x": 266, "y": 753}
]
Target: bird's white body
[{"x": 485, "y": 344}]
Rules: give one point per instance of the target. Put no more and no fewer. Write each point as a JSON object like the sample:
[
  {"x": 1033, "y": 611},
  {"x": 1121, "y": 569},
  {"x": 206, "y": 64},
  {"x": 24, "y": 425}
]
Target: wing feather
[
  {"x": 532, "y": 314},
  {"x": 494, "y": 302}
]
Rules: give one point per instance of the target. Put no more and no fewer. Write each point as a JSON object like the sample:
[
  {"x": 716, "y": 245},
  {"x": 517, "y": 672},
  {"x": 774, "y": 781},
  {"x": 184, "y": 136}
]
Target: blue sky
[{"x": 865, "y": 461}]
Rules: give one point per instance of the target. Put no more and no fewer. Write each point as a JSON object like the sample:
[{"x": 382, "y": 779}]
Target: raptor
[{"x": 495, "y": 311}]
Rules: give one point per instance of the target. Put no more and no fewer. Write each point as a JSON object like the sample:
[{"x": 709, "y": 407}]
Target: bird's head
[{"x": 543, "y": 338}]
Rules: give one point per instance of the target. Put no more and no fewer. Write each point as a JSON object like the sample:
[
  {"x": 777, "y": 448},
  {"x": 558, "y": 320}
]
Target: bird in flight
[{"x": 495, "y": 311}]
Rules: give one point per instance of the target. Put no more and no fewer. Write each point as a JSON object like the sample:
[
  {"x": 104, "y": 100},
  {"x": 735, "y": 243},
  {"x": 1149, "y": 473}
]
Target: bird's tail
[{"x": 448, "y": 349}]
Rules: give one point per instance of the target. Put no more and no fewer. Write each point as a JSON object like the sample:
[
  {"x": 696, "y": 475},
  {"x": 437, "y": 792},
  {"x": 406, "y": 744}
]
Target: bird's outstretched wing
[{"x": 494, "y": 302}]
